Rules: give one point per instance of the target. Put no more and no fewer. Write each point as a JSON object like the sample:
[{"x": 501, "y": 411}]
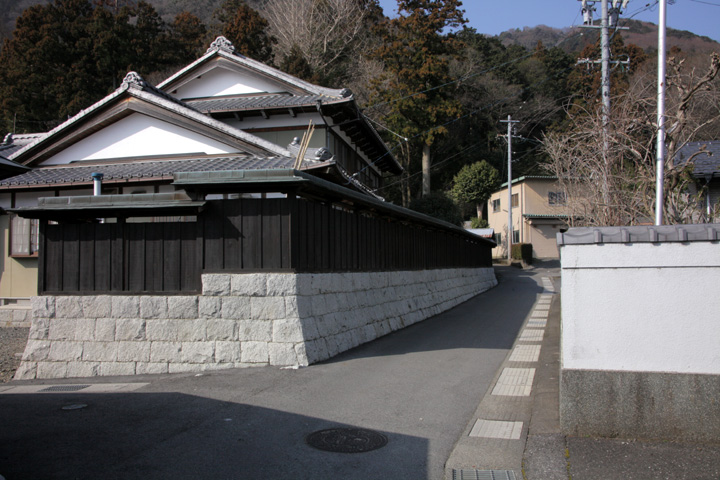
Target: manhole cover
[
  {"x": 347, "y": 440},
  {"x": 64, "y": 388}
]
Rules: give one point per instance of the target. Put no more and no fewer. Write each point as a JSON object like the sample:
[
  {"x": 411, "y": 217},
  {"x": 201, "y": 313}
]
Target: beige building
[{"x": 538, "y": 214}]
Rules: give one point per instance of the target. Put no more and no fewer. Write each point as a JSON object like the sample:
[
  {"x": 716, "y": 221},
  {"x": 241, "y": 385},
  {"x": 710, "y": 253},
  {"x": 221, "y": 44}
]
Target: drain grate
[
  {"x": 346, "y": 440},
  {"x": 64, "y": 388},
  {"x": 483, "y": 475}
]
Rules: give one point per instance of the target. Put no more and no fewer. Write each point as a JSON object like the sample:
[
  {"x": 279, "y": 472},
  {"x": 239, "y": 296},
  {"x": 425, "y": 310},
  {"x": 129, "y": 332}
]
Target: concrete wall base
[
  {"x": 650, "y": 405},
  {"x": 240, "y": 320}
]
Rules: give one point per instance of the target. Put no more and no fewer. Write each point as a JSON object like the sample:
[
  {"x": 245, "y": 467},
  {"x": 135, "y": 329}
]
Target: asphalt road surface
[{"x": 419, "y": 387}]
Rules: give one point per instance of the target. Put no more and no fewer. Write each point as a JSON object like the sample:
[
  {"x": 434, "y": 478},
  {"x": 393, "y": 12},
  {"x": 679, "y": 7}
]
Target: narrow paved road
[{"x": 418, "y": 386}]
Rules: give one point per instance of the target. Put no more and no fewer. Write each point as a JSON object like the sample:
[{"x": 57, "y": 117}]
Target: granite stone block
[
  {"x": 255, "y": 352},
  {"x": 128, "y": 329},
  {"x": 133, "y": 352},
  {"x": 125, "y": 306},
  {"x": 153, "y": 307},
  {"x": 99, "y": 351}
]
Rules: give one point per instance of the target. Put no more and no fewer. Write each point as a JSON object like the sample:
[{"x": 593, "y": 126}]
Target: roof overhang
[
  {"x": 88, "y": 208},
  {"x": 305, "y": 184},
  {"x": 349, "y": 119}
]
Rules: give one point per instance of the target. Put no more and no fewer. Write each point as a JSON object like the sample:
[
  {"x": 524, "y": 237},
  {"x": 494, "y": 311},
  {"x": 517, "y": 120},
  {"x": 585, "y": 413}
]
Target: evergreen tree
[
  {"x": 65, "y": 55},
  {"x": 188, "y": 35},
  {"x": 474, "y": 184},
  {"x": 246, "y": 29},
  {"x": 416, "y": 54}
]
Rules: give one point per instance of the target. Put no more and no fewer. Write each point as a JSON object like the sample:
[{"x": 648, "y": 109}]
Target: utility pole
[
  {"x": 509, "y": 122},
  {"x": 605, "y": 20},
  {"x": 660, "y": 166}
]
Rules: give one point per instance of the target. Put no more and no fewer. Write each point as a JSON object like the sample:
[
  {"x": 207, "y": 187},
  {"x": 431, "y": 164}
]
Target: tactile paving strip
[{"x": 515, "y": 382}]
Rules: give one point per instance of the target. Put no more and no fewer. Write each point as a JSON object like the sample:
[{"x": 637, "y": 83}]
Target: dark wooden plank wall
[
  {"x": 244, "y": 235},
  {"x": 247, "y": 235},
  {"x": 120, "y": 258},
  {"x": 339, "y": 239}
]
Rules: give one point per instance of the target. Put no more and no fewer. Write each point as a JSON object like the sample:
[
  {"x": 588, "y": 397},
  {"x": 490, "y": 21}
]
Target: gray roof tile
[
  {"x": 706, "y": 164},
  {"x": 142, "y": 170}
]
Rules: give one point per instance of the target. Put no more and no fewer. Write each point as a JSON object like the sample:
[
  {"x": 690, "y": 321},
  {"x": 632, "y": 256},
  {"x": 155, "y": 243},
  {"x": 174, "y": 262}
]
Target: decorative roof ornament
[
  {"x": 133, "y": 79},
  {"x": 221, "y": 43},
  {"x": 8, "y": 139}
]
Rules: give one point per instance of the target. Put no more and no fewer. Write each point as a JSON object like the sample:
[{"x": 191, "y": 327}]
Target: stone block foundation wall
[{"x": 239, "y": 320}]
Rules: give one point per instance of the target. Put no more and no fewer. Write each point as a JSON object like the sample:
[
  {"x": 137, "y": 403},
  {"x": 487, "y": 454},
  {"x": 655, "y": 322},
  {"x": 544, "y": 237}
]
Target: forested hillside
[{"x": 437, "y": 98}]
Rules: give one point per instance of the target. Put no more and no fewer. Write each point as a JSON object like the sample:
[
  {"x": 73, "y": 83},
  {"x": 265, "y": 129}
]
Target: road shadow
[{"x": 179, "y": 436}]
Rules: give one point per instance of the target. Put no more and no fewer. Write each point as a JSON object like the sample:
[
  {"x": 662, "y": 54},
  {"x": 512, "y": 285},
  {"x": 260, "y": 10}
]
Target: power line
[{"x": 706, "y": 3}]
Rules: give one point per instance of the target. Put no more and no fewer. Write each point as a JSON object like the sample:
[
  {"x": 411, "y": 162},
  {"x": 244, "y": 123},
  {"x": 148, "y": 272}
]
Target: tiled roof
[
  {"x": 234, "y": 104},
  {"x": 136, "y": 87},
  {"x": 221, "y": 47},
  {"x": 705, "y": 164},
  {"x": 15, "y": 141},
  {"x": 142, "y": 170}
]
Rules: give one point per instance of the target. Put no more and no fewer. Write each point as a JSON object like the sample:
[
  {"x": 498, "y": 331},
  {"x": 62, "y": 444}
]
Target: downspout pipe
[{"x": 97, "y": 183}]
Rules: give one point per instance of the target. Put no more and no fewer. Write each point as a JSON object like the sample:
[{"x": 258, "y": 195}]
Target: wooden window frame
[{"x": 32, "y": 247}]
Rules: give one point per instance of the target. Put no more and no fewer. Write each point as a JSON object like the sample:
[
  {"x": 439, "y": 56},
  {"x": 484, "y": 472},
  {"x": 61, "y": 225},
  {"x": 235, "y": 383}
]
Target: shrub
[
  {"x": 477, "y": 222},
  {"x": 522, "y": 251}
]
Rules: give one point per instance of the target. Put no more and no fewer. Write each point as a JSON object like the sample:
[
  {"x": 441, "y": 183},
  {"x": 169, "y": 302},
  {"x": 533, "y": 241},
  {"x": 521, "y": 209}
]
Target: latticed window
[
  {"x": 24, "y": 236},
  {"x": 556, "y": 198}
]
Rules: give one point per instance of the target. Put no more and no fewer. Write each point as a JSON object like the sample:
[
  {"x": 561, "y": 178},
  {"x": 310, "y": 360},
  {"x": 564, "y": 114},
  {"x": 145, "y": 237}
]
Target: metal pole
[
  {"x": 510, "y": 225},
  {"x": 660, "y": 167}
]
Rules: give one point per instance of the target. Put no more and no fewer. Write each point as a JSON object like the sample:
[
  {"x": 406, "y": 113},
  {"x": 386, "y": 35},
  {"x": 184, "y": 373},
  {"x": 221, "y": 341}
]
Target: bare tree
[
  {"x": 325, "y": 31},
  {"x": 620, "y": 190}
]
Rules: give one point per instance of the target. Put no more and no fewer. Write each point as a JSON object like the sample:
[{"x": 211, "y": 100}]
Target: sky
[{"x": 492, "y": 17}]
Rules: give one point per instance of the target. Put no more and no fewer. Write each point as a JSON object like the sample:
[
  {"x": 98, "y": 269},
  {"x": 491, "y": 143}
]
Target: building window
[
  {"x": 24, "y": 236},
  {"x": 556, "y": 198},
  {"x": 516, "y": 236},
  {"x": 496, "y": 205},
  {"x": 515, "y": 201},
  {"x": 498, "y": 238}
]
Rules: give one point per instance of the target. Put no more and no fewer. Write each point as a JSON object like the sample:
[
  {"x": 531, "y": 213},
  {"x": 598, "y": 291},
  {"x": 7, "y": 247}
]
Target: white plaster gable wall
[
  {"x": 221, "y": 81},
  {"x": 139, "y": 135},
  {"x": 642, "y": 307}
]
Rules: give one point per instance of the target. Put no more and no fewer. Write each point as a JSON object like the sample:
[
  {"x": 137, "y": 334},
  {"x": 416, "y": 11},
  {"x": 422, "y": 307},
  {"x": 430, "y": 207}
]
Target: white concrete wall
[
  {"x": 640, "y": 336},
  {"x": 641, "y": 307},
  {"x": 240, "y": 320}
]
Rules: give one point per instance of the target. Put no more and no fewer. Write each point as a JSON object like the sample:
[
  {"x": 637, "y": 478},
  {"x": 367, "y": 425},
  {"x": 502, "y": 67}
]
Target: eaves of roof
[
  {"x": 528, "y": 177},
  {"x": 348, "y": 118},
  {"x": 261, "y": 102},
  {"x": 548, "y": 215},
  {"x": 306, "y": 182},
  {"x": 142, "y": 171},
  {"x": 134, "y": 86}
]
